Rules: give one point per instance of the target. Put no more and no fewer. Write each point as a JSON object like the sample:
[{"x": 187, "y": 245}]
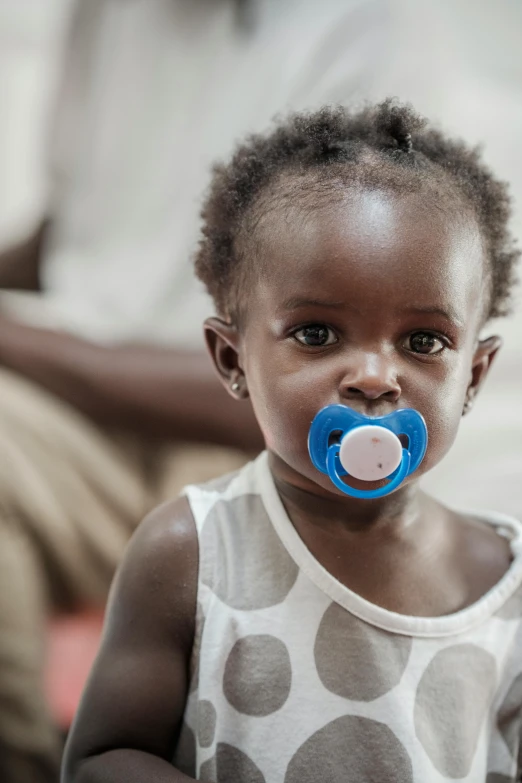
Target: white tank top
[{"x": 297, "y": 679}]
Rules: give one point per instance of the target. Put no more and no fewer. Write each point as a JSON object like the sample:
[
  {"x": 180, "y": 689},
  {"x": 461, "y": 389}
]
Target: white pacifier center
[{"x": 370, "y": 452}]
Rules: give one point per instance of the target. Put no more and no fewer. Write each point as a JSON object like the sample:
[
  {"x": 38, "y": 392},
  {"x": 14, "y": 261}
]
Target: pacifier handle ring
[{"x": 366, "y": 494}]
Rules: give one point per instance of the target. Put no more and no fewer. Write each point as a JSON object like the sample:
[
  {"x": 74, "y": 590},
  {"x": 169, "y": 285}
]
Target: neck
[{"x": 315, "y": 505}]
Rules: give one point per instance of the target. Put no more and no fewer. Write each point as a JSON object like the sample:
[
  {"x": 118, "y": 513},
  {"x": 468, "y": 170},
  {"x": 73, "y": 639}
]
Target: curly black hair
[{"x": 386, "y": 145}]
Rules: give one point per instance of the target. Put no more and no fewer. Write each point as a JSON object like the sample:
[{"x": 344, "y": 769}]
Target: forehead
[{"x": 374, "y": 246}]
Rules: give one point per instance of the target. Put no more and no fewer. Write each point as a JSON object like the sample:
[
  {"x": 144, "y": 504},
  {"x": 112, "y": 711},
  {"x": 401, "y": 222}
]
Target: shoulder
[
  {"x": 166, "y": 537},
  {"x": 159, "y": 572},
  {"x": 484, "y": 537},
  {"x": 170, "y": 525},
  {"x": 485, "y": 554}
]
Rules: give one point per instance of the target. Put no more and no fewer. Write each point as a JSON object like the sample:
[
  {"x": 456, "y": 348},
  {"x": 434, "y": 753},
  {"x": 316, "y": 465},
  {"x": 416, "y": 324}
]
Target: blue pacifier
[{"x": 343, "y": 442}]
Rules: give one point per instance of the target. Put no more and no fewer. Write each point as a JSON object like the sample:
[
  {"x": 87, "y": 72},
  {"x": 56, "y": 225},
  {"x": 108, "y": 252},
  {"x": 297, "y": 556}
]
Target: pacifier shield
[
  {"x": 343, "y": 442},
  {"x": 370, "y": 452}
]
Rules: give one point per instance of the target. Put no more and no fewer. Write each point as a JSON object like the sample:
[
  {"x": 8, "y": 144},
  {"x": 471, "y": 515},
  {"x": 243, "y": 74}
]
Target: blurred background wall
[{"x": 458, "y": 61}]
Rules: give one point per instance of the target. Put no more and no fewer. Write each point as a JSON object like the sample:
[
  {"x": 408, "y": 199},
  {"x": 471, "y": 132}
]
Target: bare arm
[
  {"x": 144, "y": 389},
  {"x": 126, "y": 728},
  {"x": 20, "y": 264}
]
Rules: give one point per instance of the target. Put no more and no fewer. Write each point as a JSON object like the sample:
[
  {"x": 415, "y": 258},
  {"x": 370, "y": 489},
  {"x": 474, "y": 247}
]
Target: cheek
[
  {"x": 285, "y": 401},
  {"x": 442, "y": 430},
  {"x": 441, "y": 406}
]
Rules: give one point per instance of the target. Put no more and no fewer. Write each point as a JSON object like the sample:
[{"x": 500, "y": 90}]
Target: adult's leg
[
  {"x": 180, "y": 464},
  {"x": 70, "y": 496}
]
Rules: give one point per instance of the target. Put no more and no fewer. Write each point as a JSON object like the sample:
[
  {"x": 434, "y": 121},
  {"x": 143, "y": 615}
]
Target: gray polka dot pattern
[
  {"x": 351, "y": 748},
  {"x": 345, "y": 657},
  {"x": 208, "y": 771},
  {"x": 451, "y": 703},
  {"x": 258, "y": 675},
  {"x": 509, "y": 719},
  {"x": 295, "y": 679},
  {"x": 267, "y": 572},
  {"x": 230, "y": 765},
  {"x": 207, "y": 718},
  {"x": 185, "y": 756}
]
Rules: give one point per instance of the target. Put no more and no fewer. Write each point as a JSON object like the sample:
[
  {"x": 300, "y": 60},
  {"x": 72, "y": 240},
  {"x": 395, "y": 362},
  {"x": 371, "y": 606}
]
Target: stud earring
[{"x": 235, "y": 386}]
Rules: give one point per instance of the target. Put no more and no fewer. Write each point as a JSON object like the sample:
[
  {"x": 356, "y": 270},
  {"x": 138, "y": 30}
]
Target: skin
[
  {"x": 381, "y": 266},
  {"x": 147, "y": 390}
]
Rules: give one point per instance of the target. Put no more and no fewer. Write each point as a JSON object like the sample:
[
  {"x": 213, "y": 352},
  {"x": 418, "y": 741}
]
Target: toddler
[{"x": 268, "y": 627}]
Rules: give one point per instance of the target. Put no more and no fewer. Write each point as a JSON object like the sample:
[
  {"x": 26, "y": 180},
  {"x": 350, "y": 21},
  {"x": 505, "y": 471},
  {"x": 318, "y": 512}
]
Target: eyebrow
[
  {"x": 296, "y": 302},
  {"x": 449, "y": 314}
]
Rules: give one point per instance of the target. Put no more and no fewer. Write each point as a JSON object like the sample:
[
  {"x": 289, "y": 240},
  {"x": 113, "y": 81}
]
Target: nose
[{"x": 370, "y": 376}]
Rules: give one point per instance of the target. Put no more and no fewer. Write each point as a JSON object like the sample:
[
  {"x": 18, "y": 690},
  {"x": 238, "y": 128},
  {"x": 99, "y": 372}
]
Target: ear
[
  {"x": 484, "y": 355},
  {"x": 223, "y": 340}
]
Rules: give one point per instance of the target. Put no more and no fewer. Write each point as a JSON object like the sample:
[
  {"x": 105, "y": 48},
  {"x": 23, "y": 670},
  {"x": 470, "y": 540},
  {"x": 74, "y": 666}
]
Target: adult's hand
[
  {"x": 144, "y": 389},
  {"x": 20, "y": 264}
]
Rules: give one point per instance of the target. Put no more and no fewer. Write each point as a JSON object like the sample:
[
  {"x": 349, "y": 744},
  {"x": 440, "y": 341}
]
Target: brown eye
[
  {"x": 315, "y": 335},
  {"x": 425, "y": 343}
]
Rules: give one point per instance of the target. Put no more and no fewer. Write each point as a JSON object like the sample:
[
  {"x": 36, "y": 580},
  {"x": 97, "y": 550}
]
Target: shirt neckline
[{"x": 446, "y": 625}]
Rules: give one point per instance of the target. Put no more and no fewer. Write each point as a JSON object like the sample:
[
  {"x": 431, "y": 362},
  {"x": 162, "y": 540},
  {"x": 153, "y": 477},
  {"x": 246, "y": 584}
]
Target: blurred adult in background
[{"x": 108, "y": 401}]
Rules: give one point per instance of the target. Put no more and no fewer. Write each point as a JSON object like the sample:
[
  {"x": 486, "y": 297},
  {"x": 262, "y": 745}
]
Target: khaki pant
[{"x": 70, "y": 496}]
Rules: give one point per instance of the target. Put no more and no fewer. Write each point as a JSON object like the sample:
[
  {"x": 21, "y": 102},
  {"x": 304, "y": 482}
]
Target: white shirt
[
  {"x": 154, "y": 92},
  {"x": 295, "y": 678}
]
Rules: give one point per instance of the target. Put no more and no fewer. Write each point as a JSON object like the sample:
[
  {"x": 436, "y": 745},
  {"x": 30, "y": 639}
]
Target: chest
[
  {"x": 304, "y": 690},
  {"x": 435, "y": 576}
]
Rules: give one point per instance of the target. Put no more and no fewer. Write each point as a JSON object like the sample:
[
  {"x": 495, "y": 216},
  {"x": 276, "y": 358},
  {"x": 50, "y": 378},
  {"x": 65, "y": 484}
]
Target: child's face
[{"x": 374, "y": 303}]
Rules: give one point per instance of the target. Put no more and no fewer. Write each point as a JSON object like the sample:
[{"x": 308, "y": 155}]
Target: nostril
[{"x": 372, "y": 394}]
